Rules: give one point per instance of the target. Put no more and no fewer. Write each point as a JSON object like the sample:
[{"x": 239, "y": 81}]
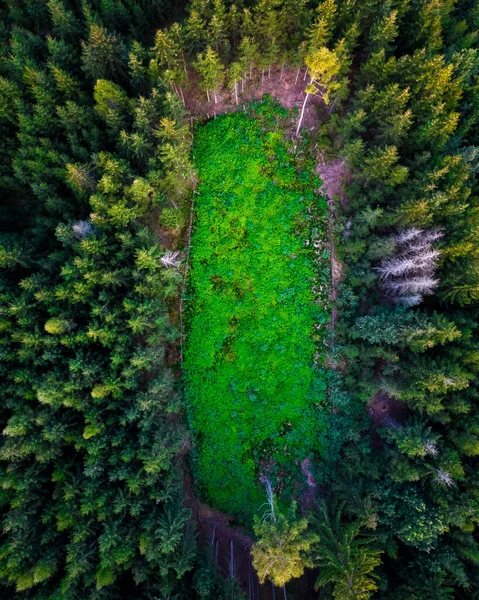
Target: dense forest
[{"x": 272, "y": 312}]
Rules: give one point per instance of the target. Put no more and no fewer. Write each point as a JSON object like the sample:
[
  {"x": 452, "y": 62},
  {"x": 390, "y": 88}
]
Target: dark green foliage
[
  {"x": 92, "y": 501},
  {"x": 345, "y": 556},
  {"x": 95, "y": 156},
  {"x": 408, "y": 140}
]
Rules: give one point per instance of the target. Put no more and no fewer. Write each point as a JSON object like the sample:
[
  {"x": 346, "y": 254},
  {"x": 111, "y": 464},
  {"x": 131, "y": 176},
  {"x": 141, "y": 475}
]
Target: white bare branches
[
  {"x": 409, "y": 276},
  {"x": 171, "y": 259},
  {"x": 444, "y": 478},
  {"x": 431, "y": 448},
  {"x": 82, "y": 229},
  {"x": 271, "y": 513}
]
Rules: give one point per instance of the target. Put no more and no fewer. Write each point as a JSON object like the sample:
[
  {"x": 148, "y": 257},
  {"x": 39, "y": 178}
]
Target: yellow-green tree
[
  {"x": 211, "y": 71},
  {"x": 323, "y": 66},
  {"x": 282, "y": 551}
]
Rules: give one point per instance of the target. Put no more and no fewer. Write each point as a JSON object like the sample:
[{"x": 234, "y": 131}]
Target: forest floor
[
  {"x": 335, "y": 175},
  {"x": 282, "y": 86}
]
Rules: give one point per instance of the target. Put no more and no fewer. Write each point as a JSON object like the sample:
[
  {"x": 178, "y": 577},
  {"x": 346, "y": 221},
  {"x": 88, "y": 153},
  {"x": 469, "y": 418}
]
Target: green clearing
[{"x": 254, "y": 396}]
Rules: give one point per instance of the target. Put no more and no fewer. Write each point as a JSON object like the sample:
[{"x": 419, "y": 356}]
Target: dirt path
[
  {"x": 334, "y": 175},
  {"x": 230, "y": 547}
]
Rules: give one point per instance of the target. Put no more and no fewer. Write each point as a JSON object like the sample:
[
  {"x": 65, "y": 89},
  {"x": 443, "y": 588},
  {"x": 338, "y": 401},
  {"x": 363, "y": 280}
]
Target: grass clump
[{"x": 252, "y": 388}]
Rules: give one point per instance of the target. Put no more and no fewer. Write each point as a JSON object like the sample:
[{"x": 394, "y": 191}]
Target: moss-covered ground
[{"x": 252, "y": 389}]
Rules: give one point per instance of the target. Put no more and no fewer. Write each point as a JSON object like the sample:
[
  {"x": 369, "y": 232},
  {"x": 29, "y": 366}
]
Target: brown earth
[
  {"x": 280, "y": 85},
  {"x": 384, "y": 409},
  {"x": 335, "y": 176},
  {"x": 230, "y": 546}
]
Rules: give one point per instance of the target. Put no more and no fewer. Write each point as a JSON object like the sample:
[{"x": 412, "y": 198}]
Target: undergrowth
[{"x": 253, "y": 391}]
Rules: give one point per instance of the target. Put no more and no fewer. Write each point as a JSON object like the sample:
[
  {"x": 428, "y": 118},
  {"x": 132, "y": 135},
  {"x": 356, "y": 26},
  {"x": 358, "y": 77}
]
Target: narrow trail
[{"x": 334, "y": 175}]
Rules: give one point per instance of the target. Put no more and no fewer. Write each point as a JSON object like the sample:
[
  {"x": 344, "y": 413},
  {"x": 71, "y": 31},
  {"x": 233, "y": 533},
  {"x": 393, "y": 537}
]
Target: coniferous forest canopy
[{"x": 239, "y": 272}]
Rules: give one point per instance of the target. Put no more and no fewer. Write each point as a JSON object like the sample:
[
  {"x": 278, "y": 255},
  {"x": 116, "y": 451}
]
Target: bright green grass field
[{"x": 252, "y": 392}]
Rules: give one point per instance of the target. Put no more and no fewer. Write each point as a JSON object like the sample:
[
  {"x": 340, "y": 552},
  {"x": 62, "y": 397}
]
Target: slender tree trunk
[
  {"x": 282, "y": 70},
  {"x": 305, "y": 73},
  {"x": 330, "y": 110},
  {"x": 242, "y": 85},
  {"x": 297, "y": 75},
  {"x": 269, "y": 72},
  {"x": 208, "y": 95},
  {"x": 262, "y": 77},
  {"x": 302, "y": 114},
  {"x": 182, "y": 95},
  {"x": 236, "y": 93},
  {"x": 214, "y": 96},
  {"x": 184, "y": 63}
]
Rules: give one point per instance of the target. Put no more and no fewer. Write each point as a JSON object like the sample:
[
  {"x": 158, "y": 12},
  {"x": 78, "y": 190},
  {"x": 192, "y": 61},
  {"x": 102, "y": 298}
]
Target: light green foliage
[
  {"x": 345, "y": 557},
  {"x": 321, "y": 31},
  {"x": 56, "y": 326},
  {"x": 211, "y": 71},
  {"x": 283, "y": 549},
  {"x": 323, "y": 66},
  {"x": 172, "y": 217},
  {"x": 380, "y": 166},
  {"x": 111, "y": 103},
  {"x": 251, "y": 385}
]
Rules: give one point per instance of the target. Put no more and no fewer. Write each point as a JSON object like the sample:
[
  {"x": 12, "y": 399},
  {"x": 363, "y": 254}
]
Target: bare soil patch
[
  {"x": 384, "y": 411},
  {"x": 284, "y": 85}
]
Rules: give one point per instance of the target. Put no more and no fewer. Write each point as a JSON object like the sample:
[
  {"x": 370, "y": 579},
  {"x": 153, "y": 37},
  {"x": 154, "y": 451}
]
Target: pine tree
[
  {"x": 235, "y": 75},
  {"x": 211, "y": 72},
  {"x": 344, "y": 557},
  {"x": 322, "y": 29},
  {"x": 101, "y": 54},
  {"x": 217, "y": 32},
  {"x": 112, "y": 103},
  {"x": 248, "y": 55},
  {"x": 195, "y": 32},
  {"x": 137, "y": 68},
  {"x": 65, "y": 25}
]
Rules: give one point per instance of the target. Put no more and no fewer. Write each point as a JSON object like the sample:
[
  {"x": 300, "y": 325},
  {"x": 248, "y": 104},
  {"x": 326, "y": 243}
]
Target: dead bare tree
[
  {"x": 171, "y": 259},
  {"x": 409, "y": 275}
]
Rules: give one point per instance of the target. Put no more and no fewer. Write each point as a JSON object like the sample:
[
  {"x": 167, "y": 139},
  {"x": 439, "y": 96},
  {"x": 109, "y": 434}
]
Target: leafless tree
[
  {"x": 82, "y": 229},
  {"x": 409, "y": 275},
  {"x": 171, "y": 259},
  {"x": 444, "y": 478}
]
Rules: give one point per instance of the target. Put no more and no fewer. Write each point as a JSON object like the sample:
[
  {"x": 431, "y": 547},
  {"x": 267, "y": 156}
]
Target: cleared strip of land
[{"x": 251, "y": 385}]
